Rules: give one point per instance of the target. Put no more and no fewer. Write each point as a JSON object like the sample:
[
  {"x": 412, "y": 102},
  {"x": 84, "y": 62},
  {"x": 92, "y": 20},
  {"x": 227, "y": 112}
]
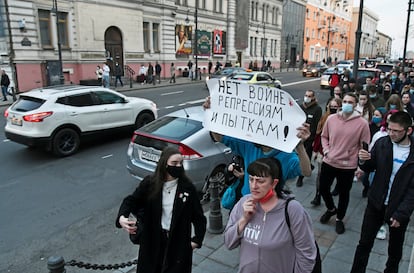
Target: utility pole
[
  {"x": 406, "y": 33},
  {"x": 196, "y": 40},
  {"x": 11, "y": 50},
  {"x": 61, "y": 77},
  {"x": 358, "y": 34}
]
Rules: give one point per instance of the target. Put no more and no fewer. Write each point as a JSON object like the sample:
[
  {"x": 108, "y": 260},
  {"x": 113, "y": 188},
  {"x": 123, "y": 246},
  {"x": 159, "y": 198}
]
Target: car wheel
[
  {"x": 65, "y": 142},
  {"x": 143, "y": 119},
  {"x": 218, "y": 172}
]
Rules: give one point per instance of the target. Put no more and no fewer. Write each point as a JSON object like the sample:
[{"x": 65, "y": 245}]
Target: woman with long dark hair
[{"x": 170, "y": 206}]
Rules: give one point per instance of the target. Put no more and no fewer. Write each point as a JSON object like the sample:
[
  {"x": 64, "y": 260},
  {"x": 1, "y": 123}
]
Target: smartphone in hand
[{"x": 365, "y": 146}]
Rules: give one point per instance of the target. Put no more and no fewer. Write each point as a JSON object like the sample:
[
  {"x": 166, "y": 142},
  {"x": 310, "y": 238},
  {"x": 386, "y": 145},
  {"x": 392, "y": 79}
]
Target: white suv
[{"x": 57, "y": 117}]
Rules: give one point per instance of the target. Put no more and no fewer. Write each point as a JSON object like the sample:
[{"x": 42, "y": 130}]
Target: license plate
[
  {"x": 16, "y": 121},
  {"x": 147, "y": 155}
]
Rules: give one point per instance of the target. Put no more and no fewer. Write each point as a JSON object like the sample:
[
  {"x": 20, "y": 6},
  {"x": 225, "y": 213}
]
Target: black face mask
[
  {"x": 333, "y": 110},
  {"x": 175, "y": 171}
]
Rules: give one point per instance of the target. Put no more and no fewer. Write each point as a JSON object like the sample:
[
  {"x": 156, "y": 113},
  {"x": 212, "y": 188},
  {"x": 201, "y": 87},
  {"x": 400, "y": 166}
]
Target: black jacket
[
  {"x": 401, "y": 200},
  {"x": 187, "y": 210},
  {"x": 313, "y": 115},
  {"x": 5, "y": 81}
]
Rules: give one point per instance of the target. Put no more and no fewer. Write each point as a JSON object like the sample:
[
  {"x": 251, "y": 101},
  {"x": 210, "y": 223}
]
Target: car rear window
[
  {"x": 385, "y": 68},
  {"x": 242, "y": 77},
  {"x": 25, "y": 104},
  {"x": 173, "y": 128}
]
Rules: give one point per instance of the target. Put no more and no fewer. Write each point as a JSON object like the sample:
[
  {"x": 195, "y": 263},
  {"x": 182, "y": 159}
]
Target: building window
[
  {"x": 252, "y": 9},
  {"x": 263, "y": 13},
  {"x": 145, "y": 33},
  {"x": 63, "y": 29},
  {"x": 178, "y": 2},
  {"x": 45, "y": 28},
  {"x": 312, "y": 54},
  {"x": 313, "y": 34},
  {"x": 251, "y": 46},
  {"x": 203, "y": 4},
  {"x": 271, "y": 47},
  {"x": 307, "y": 32},
  {"x": 273, "y": 15},
  {"x": 218, "y": 6},
  {"x": 275, "y": 49},
  {"x": 255, "y": 46},
  {"x": 156, "y": 37},
  {"x": 256, "y": 11}
]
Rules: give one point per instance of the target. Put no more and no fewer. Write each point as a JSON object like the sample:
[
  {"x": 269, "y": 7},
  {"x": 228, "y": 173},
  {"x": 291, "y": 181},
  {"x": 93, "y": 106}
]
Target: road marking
[
  {"x": 299, "y": 82},
  {"x": 196, "y": 101},
  {"x": 182, "y": 104},
  {"x": 6, "y": 140},
  {"x": 172, "y": 93},
  {"x": 107, "y": 156},
  {"x": 169, "y": 107}
]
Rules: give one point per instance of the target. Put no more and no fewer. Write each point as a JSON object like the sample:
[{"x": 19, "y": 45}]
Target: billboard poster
[
  {"x": 218, "y": 41},
  {"x": 203, "y": 43},
  {"x": 183, "y": 45}
]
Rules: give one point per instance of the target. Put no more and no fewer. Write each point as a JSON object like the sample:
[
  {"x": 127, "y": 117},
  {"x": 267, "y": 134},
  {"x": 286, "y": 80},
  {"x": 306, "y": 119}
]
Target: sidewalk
[
  {"x": 337, "y": 251},
  {"x": 164, "y": 82}
]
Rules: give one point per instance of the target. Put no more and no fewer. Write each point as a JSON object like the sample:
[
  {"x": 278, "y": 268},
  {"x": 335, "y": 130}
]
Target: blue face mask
[
  {"x": 373, "y": 96},
  {"x": 347, "y": 108},
  {"x": 376, "y": 120},
  {"x": 393, "y": 77},
  {"x": 411, "y": 91},
  {"x": 393, "y": 106}
]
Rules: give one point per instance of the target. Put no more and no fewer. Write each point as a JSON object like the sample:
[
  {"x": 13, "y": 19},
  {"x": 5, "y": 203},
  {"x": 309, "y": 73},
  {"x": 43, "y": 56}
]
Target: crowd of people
[{"x": 364, "y": 133}]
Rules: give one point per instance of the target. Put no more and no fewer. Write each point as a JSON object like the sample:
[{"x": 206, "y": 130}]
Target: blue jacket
[{"x": 250, "y": 152}]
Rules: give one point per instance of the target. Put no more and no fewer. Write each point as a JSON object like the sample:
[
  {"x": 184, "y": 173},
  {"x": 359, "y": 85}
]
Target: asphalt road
[{"x": 67, "y": 206}]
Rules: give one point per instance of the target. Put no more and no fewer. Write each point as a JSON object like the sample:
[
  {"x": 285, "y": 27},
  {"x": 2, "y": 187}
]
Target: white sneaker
[{"x": 382, "y": 233}]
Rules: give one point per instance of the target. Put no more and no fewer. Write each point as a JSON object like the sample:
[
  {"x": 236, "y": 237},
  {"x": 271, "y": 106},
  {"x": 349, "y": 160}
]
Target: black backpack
[{"x": 318, "y": 262}]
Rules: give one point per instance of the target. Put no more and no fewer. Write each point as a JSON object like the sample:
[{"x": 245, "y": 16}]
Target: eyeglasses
[{"x": 394, "y": 131}]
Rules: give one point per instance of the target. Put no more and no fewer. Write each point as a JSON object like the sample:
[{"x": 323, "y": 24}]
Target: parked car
[
  {"x": 257, "y": 77},
  {"x": 314, "y": 70},
  {"x": 385, "y": 67},
  {"x": 363, "y": 73},
  {"x": 370, "y": 63},
  {"x": 58, "y": 117},
  {"x": 203, "y": 157},
  {"x": 325, "y": 76},
  {"x": 223, "y": 74}
]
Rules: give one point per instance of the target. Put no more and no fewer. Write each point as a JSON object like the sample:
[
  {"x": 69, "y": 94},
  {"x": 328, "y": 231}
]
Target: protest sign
[{"x": 260, "y": 114}]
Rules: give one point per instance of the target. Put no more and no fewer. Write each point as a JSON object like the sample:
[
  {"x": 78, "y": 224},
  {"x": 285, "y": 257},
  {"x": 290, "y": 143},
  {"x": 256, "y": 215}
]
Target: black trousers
[
  {"x": 373, "y": 219},
  {"x": 344, "y": 179}
]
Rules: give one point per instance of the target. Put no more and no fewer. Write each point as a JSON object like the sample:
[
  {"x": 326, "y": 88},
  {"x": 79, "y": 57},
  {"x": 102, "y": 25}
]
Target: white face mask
[{"x": 307, "y": 99}]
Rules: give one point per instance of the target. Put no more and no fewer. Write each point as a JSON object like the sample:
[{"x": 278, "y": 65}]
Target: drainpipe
[{"x": 11, "y": 51}]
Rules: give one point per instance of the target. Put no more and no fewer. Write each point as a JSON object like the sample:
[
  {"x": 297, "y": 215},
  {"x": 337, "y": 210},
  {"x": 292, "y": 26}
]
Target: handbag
[
  {"x": 229, "y": 197},
  {"x": 317, "y": 268},
  {"x": 136, "y": 238}
]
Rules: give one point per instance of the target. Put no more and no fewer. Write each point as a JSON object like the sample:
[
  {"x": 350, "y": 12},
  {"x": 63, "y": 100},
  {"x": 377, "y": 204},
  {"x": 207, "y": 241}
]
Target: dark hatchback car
[
  {"x": 225, "y": 73},
  {"x": 364, "y": 73},
  {"x": 314, "y": 70}
]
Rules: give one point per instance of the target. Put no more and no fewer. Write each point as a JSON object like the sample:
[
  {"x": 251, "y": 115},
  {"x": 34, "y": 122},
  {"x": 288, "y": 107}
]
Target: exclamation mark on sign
[{"x": 286, "y": 131}]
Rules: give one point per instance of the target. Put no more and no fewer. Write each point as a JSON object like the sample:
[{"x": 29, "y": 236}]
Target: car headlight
[
  {"x": 314, "y": 70},
  {"x": 305, "y": 70}
]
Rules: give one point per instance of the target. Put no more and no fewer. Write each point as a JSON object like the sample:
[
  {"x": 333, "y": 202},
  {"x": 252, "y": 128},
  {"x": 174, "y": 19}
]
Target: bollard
[
  {"x": 215, "y": 218},
  {"x": 56, "y": 264},
  {"x": 130, "y": 82}
]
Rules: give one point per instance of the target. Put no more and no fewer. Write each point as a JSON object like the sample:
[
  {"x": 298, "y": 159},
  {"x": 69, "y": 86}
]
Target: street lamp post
[
  {"x": 195, "y": 43},
  {"x": 406, "y": 33},
  {"x": 55, "y": 9},
  {"x": 264, "y": 44},
  {"x": 358, "y": 34}
]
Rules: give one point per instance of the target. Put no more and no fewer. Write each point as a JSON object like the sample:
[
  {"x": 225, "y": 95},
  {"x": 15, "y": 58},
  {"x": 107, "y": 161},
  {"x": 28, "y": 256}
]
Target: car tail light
[
  {"x": 38, "y": 117},
  {"x": 6, "y": 113},
  {"x": 188, "y": 153}
]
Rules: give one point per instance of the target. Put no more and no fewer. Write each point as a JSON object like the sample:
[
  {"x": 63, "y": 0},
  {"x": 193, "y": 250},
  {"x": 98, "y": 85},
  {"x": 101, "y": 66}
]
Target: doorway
[{"x": 113, "y": 48}]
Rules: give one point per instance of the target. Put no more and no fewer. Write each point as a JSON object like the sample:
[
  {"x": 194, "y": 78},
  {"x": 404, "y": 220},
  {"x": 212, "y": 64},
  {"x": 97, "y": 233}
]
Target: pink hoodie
[{"x": 342, "y": 139}]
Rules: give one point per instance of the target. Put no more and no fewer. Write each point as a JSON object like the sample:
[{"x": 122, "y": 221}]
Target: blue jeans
[
  {"x": 105, "y": 81},
  {"x": 4, "y": 91}
]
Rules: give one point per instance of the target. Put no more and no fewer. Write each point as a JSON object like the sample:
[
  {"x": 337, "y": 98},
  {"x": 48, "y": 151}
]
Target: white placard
[{"x": 260, "y": 114}]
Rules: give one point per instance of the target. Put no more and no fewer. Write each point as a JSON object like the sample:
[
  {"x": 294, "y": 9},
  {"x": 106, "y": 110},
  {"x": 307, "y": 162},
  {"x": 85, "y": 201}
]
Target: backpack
[{"x": 317, "y": 268}]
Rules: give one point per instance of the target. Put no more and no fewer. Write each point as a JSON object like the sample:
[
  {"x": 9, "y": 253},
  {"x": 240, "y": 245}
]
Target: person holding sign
[
  {"x": 342, "y": 136},
  {"x": 293, "y": 164}
]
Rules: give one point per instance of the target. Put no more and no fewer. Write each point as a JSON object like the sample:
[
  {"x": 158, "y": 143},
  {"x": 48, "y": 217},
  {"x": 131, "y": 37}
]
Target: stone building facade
[{"x": 133, "y": 33}]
